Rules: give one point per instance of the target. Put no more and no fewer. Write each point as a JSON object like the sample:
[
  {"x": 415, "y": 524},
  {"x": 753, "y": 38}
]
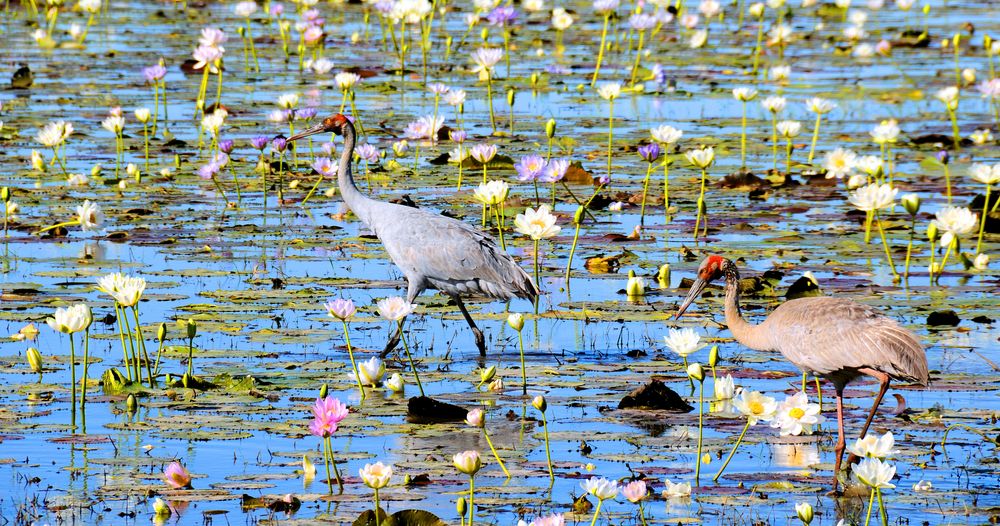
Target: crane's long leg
[
  {"x": 393, "y": 342},
  {"x": 480, "y": 340},
  {"x": 841, "y": 443},
  {"x": 883, "y": 380}
]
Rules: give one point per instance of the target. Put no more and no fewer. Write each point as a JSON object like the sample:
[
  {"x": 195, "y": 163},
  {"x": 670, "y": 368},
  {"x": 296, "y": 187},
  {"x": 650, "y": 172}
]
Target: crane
[
  {"x": 433, "y": 251},
  {"x": 836, "y": 338}
]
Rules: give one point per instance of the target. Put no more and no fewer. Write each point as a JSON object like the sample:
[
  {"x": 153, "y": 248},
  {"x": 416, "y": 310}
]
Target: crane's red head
[
  {"x": 334, "y": 123},
  {"x": 712, "y": 268}
]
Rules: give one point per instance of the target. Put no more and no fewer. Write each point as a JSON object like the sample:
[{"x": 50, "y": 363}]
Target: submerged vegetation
[{"x": 194, "y": 320}]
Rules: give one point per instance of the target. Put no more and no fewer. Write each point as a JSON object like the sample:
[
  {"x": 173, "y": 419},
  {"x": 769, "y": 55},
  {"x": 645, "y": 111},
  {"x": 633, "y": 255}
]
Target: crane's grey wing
[
  {"x": 826, "y": 335},
  {"x": 452, "y": 256}
]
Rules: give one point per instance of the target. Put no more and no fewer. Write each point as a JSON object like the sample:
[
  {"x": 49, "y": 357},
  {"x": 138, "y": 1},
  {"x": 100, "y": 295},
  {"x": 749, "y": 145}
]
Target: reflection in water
[{"x": 795, "y": 455}]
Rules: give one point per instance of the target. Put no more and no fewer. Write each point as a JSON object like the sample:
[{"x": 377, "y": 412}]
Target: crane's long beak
[
  {"x": 696, "y": 288},
  {"x": 319, "y": 128}
]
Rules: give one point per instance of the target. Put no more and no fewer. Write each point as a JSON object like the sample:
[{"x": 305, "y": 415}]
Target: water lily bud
[
  {"x": 185, "y": 380},
  {"x": 168, "y": 379},
  {"x": 663, "y": 276},
  {"x": 132, "y": 170},
  {"x": 192, "y": 328},
  {"x": 932, "y": 232},
  {"x": 550, "y": 128},
  {"x": 578, "y": 215},
  {"x": 969, "y": 75},
  {"x": 37, "y": 161},
  {"x": 485, "y": 34},
  {"x": 131, "y": 404},
  {"x": 395, "y": 383},
  {"x": 927, "y": 9},
  {"x": 5, "y": 194},
  {"x": 981, "y": 262},
  {"x": 987, "y": 40},
  {"x": 460, "y": 506},
  {"x": 487, "y": 374},
  {"x": 510, "y": 96},
  {"x": 539, "y": 403},
  {"x": 142, "y": 115},
  {"x": 636, "y": 286},
  {"x": 34, "y": 359},
  {"x": 468, "y": 462},
  {"x": 355, "y": 37},
  {"x": 160, "y": 508},
  {"x": 757, "y": 10},
  {"x": 955, "y": 40},
  {"x": 496, "y": 385},
  {"x": 516, "y": 321},
  {"x": 911, "y": 202},
  {"x": 934, "y": 268},
  {"x": 323, "y": 390},
  {"x": 533, "y": 79},
  {"x": 713, "y": 356},
  {"x": 696, "y": 372},
  {"x": 805, "y": 512},
  {"x": 161, "y": 332},
  {"x": 943, "y": 156}
]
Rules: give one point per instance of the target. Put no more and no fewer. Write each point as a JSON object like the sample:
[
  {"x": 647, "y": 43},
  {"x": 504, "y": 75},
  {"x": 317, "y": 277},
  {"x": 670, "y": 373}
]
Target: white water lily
[
  {"x": 492, "y": 193},
  {"x": 839, "y": 163},
  {"x": 872, "y": 446},
  {"x": 874, "y": 197},
  {"x": 537, "y": 224},
  {"x": 875, "y": 473},
  {"x": 666, "y": 134},
  {"x": 724, "y": 388},
  {"x": 676, "y": 491},
  {"x": 701, "y": 157},
  {"x": 600, "y": 487},
  {"x": 89, "y": 216},
  {"x": 683, "y": 342},
  {"x": 756, "y": 406},
  {"x": 796, "y": 416},
  {"x": 394, "y": 308},
  {"x": 370, "y": 372},
  {"x": 74, "y": 318}
]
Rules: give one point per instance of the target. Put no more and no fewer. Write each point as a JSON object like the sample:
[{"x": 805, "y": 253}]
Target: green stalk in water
[{"x": 600, "y": 52}]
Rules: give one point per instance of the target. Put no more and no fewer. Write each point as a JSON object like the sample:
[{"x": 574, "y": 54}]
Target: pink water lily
[
  {"x": 176, "y": 476},
  {"x": 327, "y": 413}
]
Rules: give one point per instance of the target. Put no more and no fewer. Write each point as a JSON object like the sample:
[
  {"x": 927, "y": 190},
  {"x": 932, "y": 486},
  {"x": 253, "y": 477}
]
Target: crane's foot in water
[
  {"x": 480, "y": 341},
  {"x": 390, "y": 345}
]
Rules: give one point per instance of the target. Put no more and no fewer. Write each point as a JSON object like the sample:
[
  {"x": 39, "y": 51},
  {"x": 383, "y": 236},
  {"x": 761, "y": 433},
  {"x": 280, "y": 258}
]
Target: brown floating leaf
[
  {"x": 426, "y": 410},
  {"x": 654, "y": 395}
]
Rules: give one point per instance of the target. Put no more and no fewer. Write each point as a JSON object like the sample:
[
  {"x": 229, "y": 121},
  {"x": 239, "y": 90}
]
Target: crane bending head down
[
  {"x": 711, "y": 269},
  {"x": 333, "y": 123}
]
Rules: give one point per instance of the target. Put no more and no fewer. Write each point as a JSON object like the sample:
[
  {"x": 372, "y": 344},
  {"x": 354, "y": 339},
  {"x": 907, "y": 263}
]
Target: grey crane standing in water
[
  {"x": 838, "y": 339},
  {"x": 432, "y": 250}
]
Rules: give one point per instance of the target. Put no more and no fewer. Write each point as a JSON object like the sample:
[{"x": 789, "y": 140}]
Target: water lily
[
  {"x": 328, "y": 412},
  {"x": 376, "y": 476},
  {"x": 176, "y": 476},
  {"x": 601, "y": 488},
  {"x": 796, "y": 416},
  {"x": 756, "y": 407}
]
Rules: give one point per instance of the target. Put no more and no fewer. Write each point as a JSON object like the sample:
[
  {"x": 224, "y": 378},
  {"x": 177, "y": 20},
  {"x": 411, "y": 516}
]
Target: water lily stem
[
  {"x": 597, "y": 511},
  {"x": 733, "y": 452},
  {"x": 743, "y": 138},
  {"x": 538, "y": 283},
  {"x": 645, "y": 188},
  {"x": 72, "y": 368},
  {"x": 472, "y": 499},
  {"x": 982, "y": 221},
  {"x": 701, "y": 424},
  {"x": 406, "y": 347},
  {"x": 548, "y": 450},
  {"x": 600, "y": 52},
  {"x": 524, "y": 372},
  {"x": 885, "y": 245},
  {"x": 495, "y": 454},
  {"x": 354, "y": 364},
  {"x": 572, "y": 251},
  {"x": 871, "y": 504},
  {"x": 812, "y": 146}
]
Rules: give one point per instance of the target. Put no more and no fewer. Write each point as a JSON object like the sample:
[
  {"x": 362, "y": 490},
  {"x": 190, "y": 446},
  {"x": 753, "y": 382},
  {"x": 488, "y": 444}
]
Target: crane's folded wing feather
[{"x": 826, "y": 335}]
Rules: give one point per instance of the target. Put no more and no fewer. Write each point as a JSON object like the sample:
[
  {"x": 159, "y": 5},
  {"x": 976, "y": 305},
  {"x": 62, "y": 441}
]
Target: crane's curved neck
[
  {"x": 752, "y": 336},
  {"x": 353, "y": 197}
]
